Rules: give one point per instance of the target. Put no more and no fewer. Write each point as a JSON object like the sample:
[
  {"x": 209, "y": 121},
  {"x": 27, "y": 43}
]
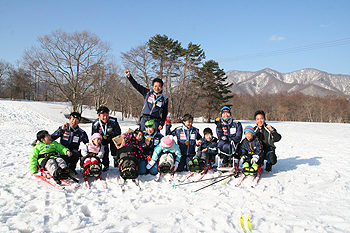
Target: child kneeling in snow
[
  {"x": 169, "y": 155},
  {"x": 46, "y": 154},
  {"x": 251, "y": 151},
  {"x": 92, "y": 155},
  {"x": 207, "y": 149}
]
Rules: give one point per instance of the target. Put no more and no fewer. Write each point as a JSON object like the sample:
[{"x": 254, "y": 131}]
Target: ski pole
[
  {"x": 213, "y": 183},
  {"x": 191, "y": 182}
]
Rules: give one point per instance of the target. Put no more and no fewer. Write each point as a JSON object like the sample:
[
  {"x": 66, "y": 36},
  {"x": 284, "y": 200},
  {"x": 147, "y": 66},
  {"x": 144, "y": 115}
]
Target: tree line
[{"x": 79, "y": 68}]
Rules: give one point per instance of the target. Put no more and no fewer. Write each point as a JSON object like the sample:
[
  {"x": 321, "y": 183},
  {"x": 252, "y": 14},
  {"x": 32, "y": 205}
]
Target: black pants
[{"x": 73, "y": 160}]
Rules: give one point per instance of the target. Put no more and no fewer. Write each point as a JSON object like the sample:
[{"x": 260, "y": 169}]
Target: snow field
[{"x": 307, "y": 190}]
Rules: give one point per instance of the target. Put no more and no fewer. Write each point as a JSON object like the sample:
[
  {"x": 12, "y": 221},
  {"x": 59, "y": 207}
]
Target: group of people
[{"x": 146, "y": 150}]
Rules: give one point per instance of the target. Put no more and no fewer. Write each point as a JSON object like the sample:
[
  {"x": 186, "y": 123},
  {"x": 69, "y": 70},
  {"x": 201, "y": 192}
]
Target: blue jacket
[
  {"x": 70, "y": 138},
  {"x": 175, "y": 149},
  {"x": 212, "y": 145},
  {"x": 253, "y": 147},
  {"x": 113, "y": 129},
  {"x": 155, "y": 105},
  {"x": 183, "y": 134},
  {"x": 232, "y": 129},
  {"x": 155, "y": 140}
]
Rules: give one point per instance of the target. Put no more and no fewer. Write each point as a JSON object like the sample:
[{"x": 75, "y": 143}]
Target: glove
[
  {"x": 218, "y": 122},
  {"x": 224, "y": 138},
  {"x": 243, "y": 158},
  {"x": 150, "y": 164},
  {"x": 176, "y": 164},
  {"x": 255, "y": 159},
  {"x": 168, "y": 124}
]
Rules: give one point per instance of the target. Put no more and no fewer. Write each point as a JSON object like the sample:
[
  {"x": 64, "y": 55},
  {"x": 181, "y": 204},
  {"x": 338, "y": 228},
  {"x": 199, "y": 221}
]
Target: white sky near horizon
[{"x": 282, "y": 35}]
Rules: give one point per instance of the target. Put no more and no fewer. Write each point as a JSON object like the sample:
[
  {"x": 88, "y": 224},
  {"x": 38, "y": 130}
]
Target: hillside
[{"x": 306, "y": 81}]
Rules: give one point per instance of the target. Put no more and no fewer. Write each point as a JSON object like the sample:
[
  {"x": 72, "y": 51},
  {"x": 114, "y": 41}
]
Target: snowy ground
[{"x": 307, "y": 191}]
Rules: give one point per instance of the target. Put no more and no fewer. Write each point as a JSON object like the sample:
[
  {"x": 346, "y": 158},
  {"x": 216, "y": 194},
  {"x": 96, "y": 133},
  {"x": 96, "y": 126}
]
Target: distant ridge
[{"x": 307, "y": 81}]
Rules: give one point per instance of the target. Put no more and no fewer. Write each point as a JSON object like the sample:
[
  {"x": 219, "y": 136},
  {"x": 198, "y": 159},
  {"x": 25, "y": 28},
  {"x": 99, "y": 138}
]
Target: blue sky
[{"x": 226, "y": 30}]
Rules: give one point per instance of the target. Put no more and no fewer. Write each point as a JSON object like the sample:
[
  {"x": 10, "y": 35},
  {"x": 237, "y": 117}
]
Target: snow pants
[
  {"x": 53, "y": 163},
  {"x": 143, "y": 169},
  {"x": 73, "y": 160}
]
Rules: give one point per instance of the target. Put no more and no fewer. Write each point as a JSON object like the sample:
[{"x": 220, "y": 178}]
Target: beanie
[
  {"x": 225, "y": 109},
  {"x": 249, "y": 129},
  {"x": 95, "y": 135},
  {"x": 167, "y": 141}
]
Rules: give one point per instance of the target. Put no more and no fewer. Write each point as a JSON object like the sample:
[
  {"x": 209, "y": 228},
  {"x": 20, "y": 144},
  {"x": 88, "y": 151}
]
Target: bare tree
[
  {"x": 139, "y": 61},
  {"x": 68, "y": 62}
]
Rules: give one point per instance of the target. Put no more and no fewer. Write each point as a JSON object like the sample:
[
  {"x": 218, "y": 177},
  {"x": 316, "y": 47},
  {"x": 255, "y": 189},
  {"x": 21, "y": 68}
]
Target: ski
[
  {"x": 256, "y": 180},
  {"x": 123, "y": 185},
  {"x": 172, "y": 175},
  {"x": 249, "y": 224},
  {"x": 240, "y": 180},
  {"x": 186, "y": 177},
  {"x": 202, "y": 174},
  {"x": 242, "y": 222},
  {"x": 137, "y": 183},
  {"x": 49, "y": 181},
  {"x": 99, "y": 178},
  {"x": 157, "y": 177}
]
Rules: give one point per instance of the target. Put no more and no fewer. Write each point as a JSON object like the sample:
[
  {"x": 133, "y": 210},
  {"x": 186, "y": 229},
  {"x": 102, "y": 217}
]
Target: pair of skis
[
  {"x": 255, "y": 179},
  {"x": 49, "y": 180},
  {"x": 159, "y": 175},
  {"x": 123, "y": 184},
  {"x": 98, "y": 178},
  {"x": 201, "y": 175},
  {"x": 248, "y": 223}
]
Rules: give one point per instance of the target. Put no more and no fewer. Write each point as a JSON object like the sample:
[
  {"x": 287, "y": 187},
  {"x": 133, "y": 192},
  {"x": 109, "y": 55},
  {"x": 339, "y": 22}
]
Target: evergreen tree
[{"x": 213, "y": 90}]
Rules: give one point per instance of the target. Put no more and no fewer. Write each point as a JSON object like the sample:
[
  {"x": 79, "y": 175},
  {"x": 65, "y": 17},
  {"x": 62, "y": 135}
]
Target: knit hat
[
  {"x": 150, "y": 123},
  {"x": 249, "y": 129},
  {"x": 167, "y": 141},
  {"x": 225, "y": 109},
  {"x": 95, "y": 135},
  {"x": 91, "y": 146}
]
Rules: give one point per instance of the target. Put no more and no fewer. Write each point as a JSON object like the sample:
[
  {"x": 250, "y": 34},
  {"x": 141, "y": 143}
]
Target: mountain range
[{"x": 307, "y": 81}]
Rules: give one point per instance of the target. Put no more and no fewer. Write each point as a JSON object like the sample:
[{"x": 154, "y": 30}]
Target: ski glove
[
  {"x": 176, "y": 164},
  {"x": 243, "y": 158},
  {"x": 224, "y": 138},
  {"x": 150, "y": 164},
  {"x": 255, "y": 159},
  {"x": 218, "y": 122}
]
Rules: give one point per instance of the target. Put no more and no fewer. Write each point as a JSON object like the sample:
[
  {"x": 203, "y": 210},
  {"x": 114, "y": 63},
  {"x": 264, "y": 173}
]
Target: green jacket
[{"x": 42, "y": 148}]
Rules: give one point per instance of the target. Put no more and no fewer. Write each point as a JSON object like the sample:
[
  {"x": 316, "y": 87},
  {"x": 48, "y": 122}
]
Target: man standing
[
  {"x": 108, "y": 127},
  {"x": 268, "y": 135},
  {"x": 155, "y": 106},
  {"x": 71, "y": 135}
]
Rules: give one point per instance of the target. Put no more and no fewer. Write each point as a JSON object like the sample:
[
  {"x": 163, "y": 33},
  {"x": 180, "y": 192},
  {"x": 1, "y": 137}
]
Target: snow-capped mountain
[{"x": 308, "y": 81}]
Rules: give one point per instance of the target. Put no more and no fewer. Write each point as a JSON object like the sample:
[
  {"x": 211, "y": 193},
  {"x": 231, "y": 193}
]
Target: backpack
[
  {"x": 128, "y": 166},
  {"x": 91, "y": 169}
]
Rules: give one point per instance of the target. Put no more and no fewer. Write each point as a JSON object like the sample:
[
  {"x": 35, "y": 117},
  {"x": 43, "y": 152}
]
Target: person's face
[
  {"x": 157, "y": 87},
  {"x": 74, "y": 122},
  {"x": 139, "y": 136},
  {"x": 188, "y": 123},
  {"x": 208, "y": 136},
  {"x": 225, "y": 115},
  {"x": 150, "y": 130},
  {"x": 249, "y": 135},
  {"x": 260, "y": 120},
  {"x": 47, "y": 139},
  {"x": 104, "y": 117},
  {"x": 97, "y": 141}
]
